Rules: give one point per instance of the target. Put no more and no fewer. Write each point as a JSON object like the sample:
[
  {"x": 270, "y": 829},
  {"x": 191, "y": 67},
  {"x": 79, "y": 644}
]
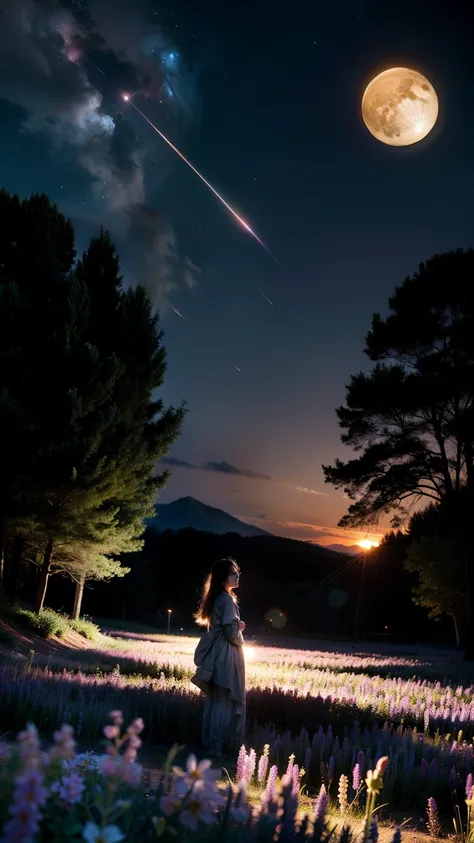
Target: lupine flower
[
  {"x": 29, "y": 748},
  {"x": 240, "y": 811},
  {"x": 64, "y": 743},
  {"x": 321, "y": 805},
  {"x": 356, "y": 778},
  {"x": 453, "y": 777},
  {"x": 469, "y": 786},
  {"x": 263, "y": 764},
  {"x": 331, "y": 769},
  {"x": 270, "y": 790},
  {"x": 241, "y": 762},
  {"x": 289, "y": 769},
  {"x": 361, "y": 761},
  {"x": 342, "y": 792},
  {"x": 110, "y": 834},
  {"x": 295, "y": 781},
  {"x": 434, "y": 825},
  {"x": 307, "y": 759},
  {"x": 374, "y": 780},
  {"x": 250, "y": 764}
]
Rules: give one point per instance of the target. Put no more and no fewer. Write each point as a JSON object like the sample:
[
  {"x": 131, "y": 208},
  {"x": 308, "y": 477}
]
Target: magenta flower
[
  {"x": 263, "y": 765},
  {"x": 469, "y": 786}
]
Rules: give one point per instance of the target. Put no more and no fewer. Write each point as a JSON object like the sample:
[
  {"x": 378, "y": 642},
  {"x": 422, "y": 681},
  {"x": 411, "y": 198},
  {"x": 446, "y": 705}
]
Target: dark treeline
[{"x": 277, "y": 573}]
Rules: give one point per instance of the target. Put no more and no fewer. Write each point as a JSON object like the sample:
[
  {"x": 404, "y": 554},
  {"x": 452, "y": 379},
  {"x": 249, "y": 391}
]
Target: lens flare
[{"x": 221, "y": 199}]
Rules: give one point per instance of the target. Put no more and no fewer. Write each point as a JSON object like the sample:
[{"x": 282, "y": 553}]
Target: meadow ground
[{"x": 335, "y": 709}]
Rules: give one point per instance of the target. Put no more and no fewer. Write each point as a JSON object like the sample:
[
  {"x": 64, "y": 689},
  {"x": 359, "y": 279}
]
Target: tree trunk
[
  {"x": 76, "y": 611},
  {"x": 14, "y": 578},
  {"x": 44, "y": 577},
  {"x": 457, "y": 632}
]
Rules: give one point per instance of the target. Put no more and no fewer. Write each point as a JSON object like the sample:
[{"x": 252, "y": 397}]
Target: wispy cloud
[
  {"x": 310, "y": 491},
  {"x": 217, "y": 467},
  {"x": 316, "y": 533}
]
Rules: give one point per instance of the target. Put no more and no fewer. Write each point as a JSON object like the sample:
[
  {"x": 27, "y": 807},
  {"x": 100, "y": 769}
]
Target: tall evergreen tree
[
  {"x": 79, "y": 361},
  {"x": 411, "y": 418}
]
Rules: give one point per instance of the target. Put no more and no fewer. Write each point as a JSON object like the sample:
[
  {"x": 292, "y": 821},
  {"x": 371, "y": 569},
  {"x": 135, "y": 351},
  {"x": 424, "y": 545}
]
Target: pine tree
[{"x": 79, "y": 362}]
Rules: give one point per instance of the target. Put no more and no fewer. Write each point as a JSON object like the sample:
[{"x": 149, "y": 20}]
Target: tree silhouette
[
  {"x": 411, "y": 419},
  {"x": 80, "y": 362}
]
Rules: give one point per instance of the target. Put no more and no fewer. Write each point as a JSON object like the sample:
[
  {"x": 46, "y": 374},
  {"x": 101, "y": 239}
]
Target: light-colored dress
[{"x": 223, "y": 725}]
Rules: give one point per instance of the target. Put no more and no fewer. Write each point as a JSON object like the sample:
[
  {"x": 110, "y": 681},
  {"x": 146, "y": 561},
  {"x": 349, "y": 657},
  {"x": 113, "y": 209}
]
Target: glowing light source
[
  {"x": 400, "y": 106},
  {"x": 367, "y": 544},
  {"x": 213, "y": 190},
  {"x": 249, "y": 653}
]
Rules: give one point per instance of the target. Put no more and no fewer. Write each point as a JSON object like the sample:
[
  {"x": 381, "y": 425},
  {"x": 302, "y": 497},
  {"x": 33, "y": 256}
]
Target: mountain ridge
[{"x": 188, "y": 512}]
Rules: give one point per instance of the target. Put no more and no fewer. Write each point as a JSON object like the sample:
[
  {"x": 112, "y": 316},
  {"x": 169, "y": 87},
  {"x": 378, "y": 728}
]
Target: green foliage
[
  {"x": 80, "y": 362},
  {"x": 410, "y": 417},
  {"x": 45, "y": 624},
  {"x": 437, "y": 554},
  {"x": 87, "y": 629}
]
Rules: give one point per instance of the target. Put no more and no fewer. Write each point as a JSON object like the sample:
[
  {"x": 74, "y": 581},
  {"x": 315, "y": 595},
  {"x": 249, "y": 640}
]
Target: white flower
[
  {"x": 195, "y": 773},
  {"x": 110, "y": 834}
]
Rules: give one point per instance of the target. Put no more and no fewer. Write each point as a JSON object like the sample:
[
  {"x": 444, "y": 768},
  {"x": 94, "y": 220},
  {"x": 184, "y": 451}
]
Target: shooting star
[
  {"x": 266, "y": 298},
  {"x": 237, "y": 368},
  {"x": 176, "y": 311},
  {"x": 240, "y": 220}
]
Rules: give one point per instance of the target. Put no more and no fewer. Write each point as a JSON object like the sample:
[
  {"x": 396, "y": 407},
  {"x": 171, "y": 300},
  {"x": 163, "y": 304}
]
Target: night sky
[{"x": 264, "y": 98}]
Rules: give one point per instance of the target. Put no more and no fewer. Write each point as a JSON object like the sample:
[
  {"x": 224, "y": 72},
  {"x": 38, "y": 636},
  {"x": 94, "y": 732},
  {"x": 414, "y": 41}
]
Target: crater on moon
[{"x": 399, "y": 106}]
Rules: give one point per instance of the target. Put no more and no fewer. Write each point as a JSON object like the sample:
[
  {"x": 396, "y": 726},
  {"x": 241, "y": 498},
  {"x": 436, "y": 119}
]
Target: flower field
[{"x": 331, "y": 711}]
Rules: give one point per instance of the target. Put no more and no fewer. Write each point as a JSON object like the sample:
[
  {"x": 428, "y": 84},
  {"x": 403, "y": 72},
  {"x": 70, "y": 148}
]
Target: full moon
[{"x": 399, "y": 106}]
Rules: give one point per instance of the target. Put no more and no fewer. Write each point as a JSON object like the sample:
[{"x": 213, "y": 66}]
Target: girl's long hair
[{"x": 214, "y": 584}]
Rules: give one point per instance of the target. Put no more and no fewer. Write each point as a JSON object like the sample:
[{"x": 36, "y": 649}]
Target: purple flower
[
  {"x": 321, "y": 805},
  {"x": 270, "y": 790},
  {"x": 331, "y": 768},
  {"x": 434, "y": 825},
  {"x": 29, "y": 795},
  {"x": 93, "y": 834},
  {"x": 356, "y": 777}
]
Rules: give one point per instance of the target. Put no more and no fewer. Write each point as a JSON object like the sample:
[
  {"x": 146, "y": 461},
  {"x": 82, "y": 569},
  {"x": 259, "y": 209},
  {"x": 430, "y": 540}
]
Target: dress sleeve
[{"x": 230, "y": 621}]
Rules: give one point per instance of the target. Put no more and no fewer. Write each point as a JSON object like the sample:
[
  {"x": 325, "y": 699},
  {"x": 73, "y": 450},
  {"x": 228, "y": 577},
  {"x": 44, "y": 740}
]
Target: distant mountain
[
  {"x": 350, "y": 550},
  {"x": 189, "y": 512}
]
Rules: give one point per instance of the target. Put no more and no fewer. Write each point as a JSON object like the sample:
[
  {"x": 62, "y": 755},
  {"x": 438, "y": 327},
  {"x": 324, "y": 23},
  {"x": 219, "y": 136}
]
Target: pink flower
[
  {"x": 195, "y": 774},
  {"x": 116, "y": 717},
  {"x": 111, "y": 732},
  {"x": 136, "y": 727}
]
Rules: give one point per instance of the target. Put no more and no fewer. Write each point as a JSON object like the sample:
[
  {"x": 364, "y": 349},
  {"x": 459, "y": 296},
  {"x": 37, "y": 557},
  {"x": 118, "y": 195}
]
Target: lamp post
[
  {"x": 169, "y": 619},
  {"x": 366, "y": 545}
]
